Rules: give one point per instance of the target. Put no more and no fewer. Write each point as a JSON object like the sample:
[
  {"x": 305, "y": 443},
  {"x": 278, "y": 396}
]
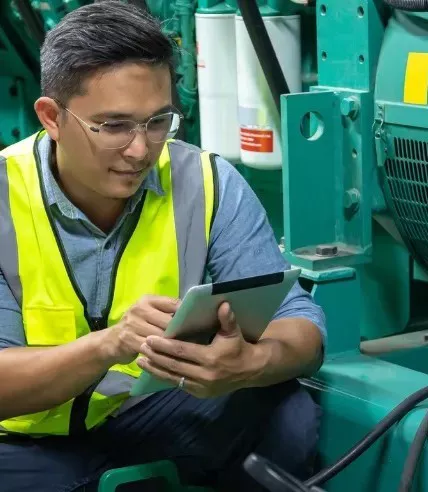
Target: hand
[
  {"x": 214, "y": 370},
  {"x": 149, "y": 316}
]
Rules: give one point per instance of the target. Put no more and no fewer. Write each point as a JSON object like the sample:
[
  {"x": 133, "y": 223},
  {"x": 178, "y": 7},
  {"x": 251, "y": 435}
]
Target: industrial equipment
[{"x": 322, "y": 105}]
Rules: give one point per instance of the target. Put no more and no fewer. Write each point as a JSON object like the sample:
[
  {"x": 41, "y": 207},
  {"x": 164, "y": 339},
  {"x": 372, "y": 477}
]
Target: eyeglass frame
[{"x": 133, "y": 132}]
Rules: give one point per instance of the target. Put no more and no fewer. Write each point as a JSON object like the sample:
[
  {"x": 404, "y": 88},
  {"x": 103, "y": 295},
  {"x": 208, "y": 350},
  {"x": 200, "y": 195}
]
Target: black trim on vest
[{"x": 216, "y": 191}]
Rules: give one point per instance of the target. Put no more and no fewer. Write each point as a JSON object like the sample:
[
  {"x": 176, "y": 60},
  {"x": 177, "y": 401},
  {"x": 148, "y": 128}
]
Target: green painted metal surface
[
  {"x": 332, "y": 192},
  {"x": 356, "y": 392},
  {"x": 385, "y": 288},
  {"x": 19, "y": 73},
  {"x": 329, "y": 166},
  {"x": 268, "y": 188},
  {"x": 405, "y": 33},
  {"x": 348, "y": 58}
]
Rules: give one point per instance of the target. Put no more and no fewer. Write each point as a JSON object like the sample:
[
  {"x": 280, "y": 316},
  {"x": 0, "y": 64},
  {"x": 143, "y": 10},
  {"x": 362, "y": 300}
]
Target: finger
[
  {"x": 174, "y": 366},
  {"x": 187, "y": 351},
  {"x": 154, "y": 317},
  {"x": 190, "y": 386},
  {"x": 165, "y": 304},
  {"x": 227, "y": 318},
  {"x": 131, "y": 342},
  {"x": 143, "y": 328}
]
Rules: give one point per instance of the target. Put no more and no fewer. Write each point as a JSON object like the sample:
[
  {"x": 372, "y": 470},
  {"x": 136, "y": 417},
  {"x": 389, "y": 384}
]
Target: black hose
[
  {"x": 413, "y": 456},
  {"x": 411, "y": 5},
  {"x": 270, "y": 476},
  {"x": 32, "y": 20},
  {"x": 394, "y": 416},
  {"x": 264, "y": 50}
]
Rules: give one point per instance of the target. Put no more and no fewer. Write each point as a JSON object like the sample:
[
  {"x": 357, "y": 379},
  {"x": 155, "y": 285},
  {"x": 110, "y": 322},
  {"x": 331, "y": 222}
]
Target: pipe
[
  {"x": 32, "y": 20},
  {"x": 264, "y": 50},
  {"x": 410, "y": 5}
]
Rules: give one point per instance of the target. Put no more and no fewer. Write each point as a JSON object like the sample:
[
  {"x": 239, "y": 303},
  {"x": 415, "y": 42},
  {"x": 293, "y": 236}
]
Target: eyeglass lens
[{"x": 118, "y": 133}]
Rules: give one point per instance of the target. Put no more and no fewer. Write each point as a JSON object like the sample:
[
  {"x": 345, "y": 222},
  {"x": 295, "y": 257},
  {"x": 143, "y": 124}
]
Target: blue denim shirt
[{"x": 242, "y": 244}]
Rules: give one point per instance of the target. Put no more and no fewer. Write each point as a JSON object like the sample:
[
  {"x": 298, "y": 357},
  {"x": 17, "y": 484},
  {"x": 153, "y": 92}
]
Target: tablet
[{"x": 254, "y": 300}]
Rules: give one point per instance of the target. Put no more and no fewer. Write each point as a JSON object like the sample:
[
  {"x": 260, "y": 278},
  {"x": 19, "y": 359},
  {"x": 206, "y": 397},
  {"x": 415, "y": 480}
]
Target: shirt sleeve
[
  {"x": 11, "y": 326},
  {"x": 242, "y": 244}
]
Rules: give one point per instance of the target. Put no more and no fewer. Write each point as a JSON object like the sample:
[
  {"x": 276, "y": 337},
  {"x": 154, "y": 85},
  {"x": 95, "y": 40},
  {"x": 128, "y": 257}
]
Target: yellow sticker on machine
[{"x": 416, "y": 80}]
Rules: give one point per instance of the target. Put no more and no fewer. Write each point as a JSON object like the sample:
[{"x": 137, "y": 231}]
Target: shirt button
[{"x": 107, "y": 245}]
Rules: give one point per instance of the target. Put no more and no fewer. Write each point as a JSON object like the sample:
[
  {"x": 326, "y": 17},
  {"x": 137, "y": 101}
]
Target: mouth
[{"x": 128, "y": 174}]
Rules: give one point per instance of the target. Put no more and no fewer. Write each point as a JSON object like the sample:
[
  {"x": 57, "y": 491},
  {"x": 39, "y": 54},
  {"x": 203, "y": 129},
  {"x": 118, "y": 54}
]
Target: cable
[
  {"x": 271, "y": 476},
  {"x": 264, "y": 50},
  {"x": 394, "y": 416},
  {"x": 413, "y": 456},
  {"x": 411, "y": 5}
]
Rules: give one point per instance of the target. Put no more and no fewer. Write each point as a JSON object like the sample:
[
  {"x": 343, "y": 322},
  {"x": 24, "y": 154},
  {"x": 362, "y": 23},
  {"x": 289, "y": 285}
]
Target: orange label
[{"x": 256, "y": 140}]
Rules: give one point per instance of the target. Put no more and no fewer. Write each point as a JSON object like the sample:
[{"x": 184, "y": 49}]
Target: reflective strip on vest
[
  {"x": 115, "y": 383},
  {"x": 8, "y": 245},
  {"x": 189, "y": 213}
]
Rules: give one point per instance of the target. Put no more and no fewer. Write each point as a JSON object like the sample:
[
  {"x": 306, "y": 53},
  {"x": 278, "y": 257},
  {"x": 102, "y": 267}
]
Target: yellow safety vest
[{"x": 164, "y": 255}]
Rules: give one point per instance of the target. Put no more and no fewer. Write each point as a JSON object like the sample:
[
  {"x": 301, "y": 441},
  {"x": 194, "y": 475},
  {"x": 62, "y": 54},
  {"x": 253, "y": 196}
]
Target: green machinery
[{"x": 350, "y": 202}]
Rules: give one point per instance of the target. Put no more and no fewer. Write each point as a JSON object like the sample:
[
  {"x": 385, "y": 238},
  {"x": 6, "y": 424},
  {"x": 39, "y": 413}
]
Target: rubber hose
[
  {"x": 264, "y": 50},
  {"x": 413, "y": 456},
  {"x": 32, "y": 20},
  {"x": 271, "y": 476},
  {"x": 411, "y": 5},
  {"x": 394, "y": 416}
]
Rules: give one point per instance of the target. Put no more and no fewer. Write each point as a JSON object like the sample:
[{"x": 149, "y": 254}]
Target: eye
[
  {"x": 117, "y": 126},
  {"x": 161, "y": 120}
]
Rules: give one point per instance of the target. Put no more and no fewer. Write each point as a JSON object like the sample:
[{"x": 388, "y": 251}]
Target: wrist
[{"x": 105, "y": 346}]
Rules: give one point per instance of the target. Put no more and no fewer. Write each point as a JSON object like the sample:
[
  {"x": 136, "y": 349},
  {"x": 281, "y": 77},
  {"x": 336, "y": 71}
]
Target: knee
[{"x": 291, "y": 437}]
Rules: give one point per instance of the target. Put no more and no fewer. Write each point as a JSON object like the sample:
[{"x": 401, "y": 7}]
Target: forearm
[
  {"x": 289, "y": 348},
  {"x": 37, "y": 379}
]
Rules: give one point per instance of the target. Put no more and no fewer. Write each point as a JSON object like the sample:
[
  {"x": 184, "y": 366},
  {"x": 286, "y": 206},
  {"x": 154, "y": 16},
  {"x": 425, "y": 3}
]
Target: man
[{"x": 103, "y": 227}]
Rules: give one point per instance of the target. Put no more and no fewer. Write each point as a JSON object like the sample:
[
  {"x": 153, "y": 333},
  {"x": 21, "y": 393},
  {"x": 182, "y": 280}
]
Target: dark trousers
[{"x": 207, "y": 439}]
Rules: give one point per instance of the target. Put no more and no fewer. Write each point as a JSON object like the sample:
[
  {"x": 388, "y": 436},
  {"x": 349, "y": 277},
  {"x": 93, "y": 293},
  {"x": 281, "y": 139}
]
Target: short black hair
[{"x": 96, "y": 37}]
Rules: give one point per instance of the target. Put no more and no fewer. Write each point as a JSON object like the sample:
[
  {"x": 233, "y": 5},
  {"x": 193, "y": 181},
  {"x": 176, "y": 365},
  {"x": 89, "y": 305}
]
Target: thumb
[{"x": 228, "y": 325}]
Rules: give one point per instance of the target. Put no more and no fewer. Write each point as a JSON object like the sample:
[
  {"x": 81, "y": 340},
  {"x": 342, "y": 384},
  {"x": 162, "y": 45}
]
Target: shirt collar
[{"x": 55, "y": 196}]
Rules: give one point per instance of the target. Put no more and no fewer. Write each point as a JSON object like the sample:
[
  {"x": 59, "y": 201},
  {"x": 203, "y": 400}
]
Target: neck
[{"x": 101, "y": 211}]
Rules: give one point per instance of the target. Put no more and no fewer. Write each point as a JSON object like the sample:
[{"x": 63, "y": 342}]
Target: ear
[{"x": 48, "y": 113}]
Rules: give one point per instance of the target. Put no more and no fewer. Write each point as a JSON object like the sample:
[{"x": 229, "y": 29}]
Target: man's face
[{"x": 129, "y": 92}]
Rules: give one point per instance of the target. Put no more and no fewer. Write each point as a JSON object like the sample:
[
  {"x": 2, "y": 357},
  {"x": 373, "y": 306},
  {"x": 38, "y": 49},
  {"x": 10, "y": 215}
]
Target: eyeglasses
[{"x": 116, "y": 134}]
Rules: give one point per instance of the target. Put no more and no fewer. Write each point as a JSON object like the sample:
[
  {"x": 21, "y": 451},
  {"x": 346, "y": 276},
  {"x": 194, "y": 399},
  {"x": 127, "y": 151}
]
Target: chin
[
  {"x": 121, "y": 192},
  {"x": 121, "y": 189}
]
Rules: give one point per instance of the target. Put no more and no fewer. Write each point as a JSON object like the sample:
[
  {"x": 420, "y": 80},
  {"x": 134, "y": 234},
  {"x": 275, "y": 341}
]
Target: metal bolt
[
  {"x": 350, "y": 107},
  {"x": 351, "y": 200},
  {"x": 326, "y": 250}
]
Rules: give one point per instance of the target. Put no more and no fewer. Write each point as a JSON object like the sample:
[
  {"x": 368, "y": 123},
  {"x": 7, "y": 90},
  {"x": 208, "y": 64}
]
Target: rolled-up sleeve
[
  {"x": 242, "y": 244},
  {"x": 11, "y": 327}
]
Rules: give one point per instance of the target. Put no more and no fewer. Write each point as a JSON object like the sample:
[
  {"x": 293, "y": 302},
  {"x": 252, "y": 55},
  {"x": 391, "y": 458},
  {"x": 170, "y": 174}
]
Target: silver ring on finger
[{"x": 181, "y": 383}]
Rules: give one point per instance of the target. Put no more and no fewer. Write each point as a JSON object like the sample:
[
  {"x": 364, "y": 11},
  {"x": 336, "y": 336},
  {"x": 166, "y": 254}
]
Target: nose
[{"x": 137, "y": 148}]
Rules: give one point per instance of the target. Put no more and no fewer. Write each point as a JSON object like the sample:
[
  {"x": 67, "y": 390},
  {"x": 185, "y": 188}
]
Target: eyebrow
[{"x": 114, "y": 115}]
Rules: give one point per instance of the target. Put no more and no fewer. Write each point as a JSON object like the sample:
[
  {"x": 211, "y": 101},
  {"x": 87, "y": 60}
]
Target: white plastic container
[
  {"x": 258, "y": 117},
  {"x": 217, "y": 84}
]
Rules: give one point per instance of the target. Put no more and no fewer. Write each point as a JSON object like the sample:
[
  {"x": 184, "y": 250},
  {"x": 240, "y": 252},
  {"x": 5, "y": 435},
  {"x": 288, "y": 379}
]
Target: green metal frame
[{"x": 165, "y": 471}]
